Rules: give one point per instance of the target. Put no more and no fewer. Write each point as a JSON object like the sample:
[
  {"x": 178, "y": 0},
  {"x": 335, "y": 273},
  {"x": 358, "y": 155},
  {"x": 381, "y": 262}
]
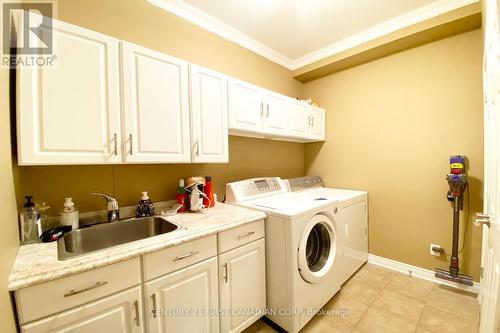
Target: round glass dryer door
[{"x": 317, "y": 249}]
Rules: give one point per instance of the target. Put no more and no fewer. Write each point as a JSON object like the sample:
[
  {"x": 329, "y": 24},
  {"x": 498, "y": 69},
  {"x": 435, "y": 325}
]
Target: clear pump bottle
[{"x": 31, "y": 224}]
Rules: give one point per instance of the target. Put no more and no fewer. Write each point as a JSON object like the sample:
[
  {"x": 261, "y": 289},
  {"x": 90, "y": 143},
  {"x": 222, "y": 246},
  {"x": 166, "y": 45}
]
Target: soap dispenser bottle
[
  {"x": 145, "y": 206},
  {"x": 69, "y": 214},
  {"x": 31, "y": 222}
]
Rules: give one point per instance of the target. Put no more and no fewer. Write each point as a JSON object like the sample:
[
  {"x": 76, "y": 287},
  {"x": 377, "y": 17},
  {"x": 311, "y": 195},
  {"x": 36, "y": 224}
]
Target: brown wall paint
[
  {"x": 147, "y": 25},
  {"x": 391, "y": 126}
]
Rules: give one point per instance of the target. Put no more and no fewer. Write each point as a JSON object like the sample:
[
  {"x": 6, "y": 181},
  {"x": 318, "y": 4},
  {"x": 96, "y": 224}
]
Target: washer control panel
[{"x": 254, "y": 188}]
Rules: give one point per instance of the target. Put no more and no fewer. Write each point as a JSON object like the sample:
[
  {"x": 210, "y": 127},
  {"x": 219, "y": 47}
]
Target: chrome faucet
[{"x": 112, "y": 207}]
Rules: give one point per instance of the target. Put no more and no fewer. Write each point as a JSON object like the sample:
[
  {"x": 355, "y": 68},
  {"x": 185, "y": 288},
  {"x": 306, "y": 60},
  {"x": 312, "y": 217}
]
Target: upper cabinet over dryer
[
  {"x": 69, "y": 113},
  {"x": 257, "y": 112}
]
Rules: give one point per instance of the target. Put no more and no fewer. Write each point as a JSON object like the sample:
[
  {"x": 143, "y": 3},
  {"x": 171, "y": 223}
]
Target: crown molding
[
  {"x": 400, "y": 22},
  {"x": 210, "y": 23}
]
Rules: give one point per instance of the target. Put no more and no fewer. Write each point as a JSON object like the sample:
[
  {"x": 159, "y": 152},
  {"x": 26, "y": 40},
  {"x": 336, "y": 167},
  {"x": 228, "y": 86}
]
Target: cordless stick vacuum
[{"x": 457, "y": 180}]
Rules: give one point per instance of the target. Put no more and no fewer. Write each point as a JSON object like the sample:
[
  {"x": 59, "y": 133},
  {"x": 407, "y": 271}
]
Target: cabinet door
[
  {"x": 119, "y": 313},
  {"x": 246, "y": 107},
  {"x": 298, "y": 119},
  {"x": 317, "y": 124},
  {"x": 69, "y": 113},
  {"x": 156, "y": 110},
  {"x": 209, "y": 137},
  {"x": 184, "y": 301},
  {"x": 276, "y": 107},
  {"x": 242, "y": 286}
]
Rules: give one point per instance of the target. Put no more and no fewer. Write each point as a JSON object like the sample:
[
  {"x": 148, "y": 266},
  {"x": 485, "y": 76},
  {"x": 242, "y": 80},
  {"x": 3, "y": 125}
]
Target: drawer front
[
  {"x": 244, "y": 234},
  {"x": 55, "y": 296},
  {"x": 179, "y": 256}
]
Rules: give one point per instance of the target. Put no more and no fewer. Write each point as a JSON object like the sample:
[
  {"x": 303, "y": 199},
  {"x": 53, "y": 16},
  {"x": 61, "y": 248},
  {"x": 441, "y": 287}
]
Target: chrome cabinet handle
[
  {"x": 137, "y": 319},
  {"x": 115, "y": 139},
  {"x": 79, "y": 291},
  {"x": 153, "y": 310},
  {"x": 482, "y": 218},
  {"x": 197, "y": 144},
  {"x": 261, "y": 109},
  {"x": 187, "y": 255},
  {"x": 246, "y": 235},
  {"x": 131, "y": 151},
  {"x": 312, "y": 121},
  {"x": 267, "y": 110},
  {"x": 308, "y": 120},
  {"x": 225, "y": 273}
]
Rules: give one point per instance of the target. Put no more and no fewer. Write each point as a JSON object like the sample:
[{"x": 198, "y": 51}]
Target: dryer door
[{"x": 317, "y": 249}]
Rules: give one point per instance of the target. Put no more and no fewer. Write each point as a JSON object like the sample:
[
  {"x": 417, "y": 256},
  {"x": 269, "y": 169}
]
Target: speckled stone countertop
[{"x": 37, "y": 263}]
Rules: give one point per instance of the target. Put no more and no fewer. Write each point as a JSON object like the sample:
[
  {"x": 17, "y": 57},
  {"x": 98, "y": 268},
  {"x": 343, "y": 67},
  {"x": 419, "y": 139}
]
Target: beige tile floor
[{"x": 381, "y": 300}]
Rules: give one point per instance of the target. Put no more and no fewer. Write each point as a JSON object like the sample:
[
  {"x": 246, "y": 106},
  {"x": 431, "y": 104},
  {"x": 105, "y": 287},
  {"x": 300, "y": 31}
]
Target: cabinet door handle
[
  {"x": 131, "y": 151},
  {"x": 246, "y": 235},
  {"x": 225, "y": 273},
  {"x": 197, "y": 144},
  {"x": 115, "y": 140},
  {"x": 261, "y": 109},
  {"x": 79, "y": 291},
  {"x": 136, "y": 308},
  {"x": 187, "y": 255},
  {"x": 312, "y": 121},
  {"x": 267, "y": 110},
  {"x": 153, "y": 310}
]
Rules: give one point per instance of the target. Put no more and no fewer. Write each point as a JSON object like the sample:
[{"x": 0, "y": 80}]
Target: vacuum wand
[{"x": 457, "y": 181}]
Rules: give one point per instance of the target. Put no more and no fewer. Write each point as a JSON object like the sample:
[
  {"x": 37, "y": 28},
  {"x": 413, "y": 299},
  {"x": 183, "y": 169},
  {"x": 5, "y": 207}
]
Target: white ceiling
[{"x": 295, "y": 33}]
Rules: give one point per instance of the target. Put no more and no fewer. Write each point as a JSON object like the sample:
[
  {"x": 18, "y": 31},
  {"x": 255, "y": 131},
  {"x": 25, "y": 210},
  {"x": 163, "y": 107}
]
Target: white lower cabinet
[
  {"x": 185, "y": 300},
  {"x": 118, "y": 313},
  {"x": 242, "y": 286},
  {"x": 185, "y": 288}
]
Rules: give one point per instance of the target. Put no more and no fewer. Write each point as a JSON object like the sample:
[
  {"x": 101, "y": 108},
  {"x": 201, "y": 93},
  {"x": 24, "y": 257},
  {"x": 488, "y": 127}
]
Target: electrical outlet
[{"x": 434, "y": 253}]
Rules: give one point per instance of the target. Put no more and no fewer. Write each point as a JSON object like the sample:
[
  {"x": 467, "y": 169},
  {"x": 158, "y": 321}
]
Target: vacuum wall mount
[{"x": 457, "y": 181}]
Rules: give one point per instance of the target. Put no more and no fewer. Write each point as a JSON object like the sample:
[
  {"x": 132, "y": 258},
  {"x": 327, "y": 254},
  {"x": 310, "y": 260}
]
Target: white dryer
[
  {"x": 303, "y": 248},
  {"x": 352, "y": 219}
]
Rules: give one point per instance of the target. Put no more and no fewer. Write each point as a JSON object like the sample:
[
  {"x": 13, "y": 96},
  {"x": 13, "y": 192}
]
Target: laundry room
[{"x": 250, "y": 166}]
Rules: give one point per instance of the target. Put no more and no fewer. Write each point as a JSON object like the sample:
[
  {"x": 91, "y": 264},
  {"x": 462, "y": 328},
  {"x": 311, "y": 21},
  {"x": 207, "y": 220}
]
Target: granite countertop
[{"x": 38, "y": 263}]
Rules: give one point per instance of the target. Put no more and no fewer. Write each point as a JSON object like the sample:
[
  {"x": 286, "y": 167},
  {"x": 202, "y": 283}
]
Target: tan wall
[
  {"x": 391, "y": 126},
  {"x": 142, "y": 23}
]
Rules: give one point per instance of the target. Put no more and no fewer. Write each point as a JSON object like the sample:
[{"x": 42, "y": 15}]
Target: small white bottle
[{"x": 69, "y": 215}]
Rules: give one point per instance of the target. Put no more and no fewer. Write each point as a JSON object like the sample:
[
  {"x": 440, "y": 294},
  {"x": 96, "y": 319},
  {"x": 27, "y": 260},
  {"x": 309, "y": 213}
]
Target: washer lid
[
  {"x": 289, "y": 204},
  {"x": 317, "y": 249}
]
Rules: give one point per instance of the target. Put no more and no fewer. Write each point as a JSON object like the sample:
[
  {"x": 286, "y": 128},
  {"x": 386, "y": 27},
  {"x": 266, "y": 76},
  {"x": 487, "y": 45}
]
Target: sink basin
[{"x": 103, "y": 236}]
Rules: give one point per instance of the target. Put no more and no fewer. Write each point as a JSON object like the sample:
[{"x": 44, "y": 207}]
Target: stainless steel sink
[{"x": 103, "y": 236}]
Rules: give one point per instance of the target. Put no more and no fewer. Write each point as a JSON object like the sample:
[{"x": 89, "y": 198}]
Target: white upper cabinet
[
  {"x": 246, "y": 107},
  {"x": 155, "y": 106},
  {"x": 298, "y": 125},
  {"x": 69, "y": 113},
  {"x": 276, "y": 108},
  {"x": 316, "y": 121},
  {"x": 209, "y": 129}
]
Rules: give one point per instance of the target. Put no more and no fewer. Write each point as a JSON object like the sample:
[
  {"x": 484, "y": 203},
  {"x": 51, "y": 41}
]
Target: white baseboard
[{"x": 418, "y": 272}]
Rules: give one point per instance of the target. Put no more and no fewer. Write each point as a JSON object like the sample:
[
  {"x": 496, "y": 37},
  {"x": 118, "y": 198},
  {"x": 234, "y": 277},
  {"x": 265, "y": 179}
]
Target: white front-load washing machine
[
  {"x": 352, "y": 219},
  {"x": 303, "y": 248}
]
